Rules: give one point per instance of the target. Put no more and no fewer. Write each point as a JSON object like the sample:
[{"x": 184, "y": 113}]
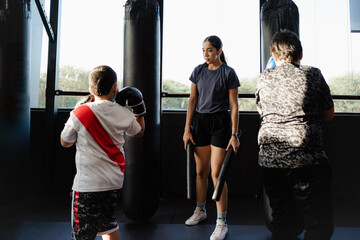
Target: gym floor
[{"x": 48, "y": 217}]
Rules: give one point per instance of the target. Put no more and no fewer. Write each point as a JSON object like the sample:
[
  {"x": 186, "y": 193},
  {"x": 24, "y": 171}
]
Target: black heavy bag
[
  {"x": 276, "y": 15},
  {"x": 14, "y": 98},
  {"x": 142, "y": 70}
]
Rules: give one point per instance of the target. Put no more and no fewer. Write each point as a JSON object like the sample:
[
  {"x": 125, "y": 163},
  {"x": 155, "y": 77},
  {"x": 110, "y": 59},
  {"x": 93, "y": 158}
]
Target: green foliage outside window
[
  {"x": 345, "y": 85},
  {"x": 73, "y": 79},
  {"x": 170, "y": 86},
  {"x": 70, "y": 79}
]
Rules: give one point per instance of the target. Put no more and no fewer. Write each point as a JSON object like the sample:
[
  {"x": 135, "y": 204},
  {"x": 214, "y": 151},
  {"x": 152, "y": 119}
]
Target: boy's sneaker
[
  {"x": 220, "y": 232},
  {"x": 197, "y": 217}
]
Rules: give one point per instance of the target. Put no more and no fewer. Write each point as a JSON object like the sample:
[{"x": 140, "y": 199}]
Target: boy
[
  {"x": 292, "y": 100},
  {"x": 97, "y": 128}
]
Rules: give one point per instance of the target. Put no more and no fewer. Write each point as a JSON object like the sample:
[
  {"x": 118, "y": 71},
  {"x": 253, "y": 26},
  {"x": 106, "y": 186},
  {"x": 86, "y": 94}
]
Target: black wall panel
[{"x": 340, "y": 138}]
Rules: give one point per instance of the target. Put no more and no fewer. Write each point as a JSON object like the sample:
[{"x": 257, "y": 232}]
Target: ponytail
[{"x": 222, "y": 57}]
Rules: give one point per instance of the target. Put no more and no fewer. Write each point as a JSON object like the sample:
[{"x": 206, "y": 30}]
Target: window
[
  {"x": 43, "y": 69},
  {"x": 324, "y": 32},
  {"x": 354, "y": 15},
  {"x": 187, "y": 23},
  {"x": 329, "y": 45},
  {"x": 39, "y": 46},
  {"x": 91, "y": 35}
]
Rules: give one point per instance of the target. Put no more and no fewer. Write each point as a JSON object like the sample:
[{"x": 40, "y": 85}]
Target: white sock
[
  {"x": 221, "y": 216},
  {"x": 201, "y": 205}
]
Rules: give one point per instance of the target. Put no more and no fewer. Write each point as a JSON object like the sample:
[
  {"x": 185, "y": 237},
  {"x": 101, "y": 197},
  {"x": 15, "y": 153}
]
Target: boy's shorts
[
  {"x": 93, "y": 213},
  {"x": 211, "y": 129}
]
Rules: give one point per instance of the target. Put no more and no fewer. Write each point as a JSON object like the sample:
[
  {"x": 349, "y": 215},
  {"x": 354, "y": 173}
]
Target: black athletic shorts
[
  {"x": 93, "y": 213},
  {"x": 211, "y": 129}
]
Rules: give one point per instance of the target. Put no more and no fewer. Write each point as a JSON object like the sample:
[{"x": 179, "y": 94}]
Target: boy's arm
[
  {"x": 65, "y": 144},
  {"x": 68, "y": 135},
  {"x": 141, "y": 121},
  {"x": 257, "y": 95},
  {"x": 327, "y": 102},
  {"x": 328, "y": 115}
]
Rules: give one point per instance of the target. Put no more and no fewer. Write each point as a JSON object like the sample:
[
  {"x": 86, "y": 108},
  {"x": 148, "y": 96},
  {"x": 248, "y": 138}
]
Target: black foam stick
[
  {"x": 223, "y": 173},
  {"x": 190, "y": 170}
]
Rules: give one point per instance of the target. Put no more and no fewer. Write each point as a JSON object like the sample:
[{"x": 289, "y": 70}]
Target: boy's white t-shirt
[{"x": 96, "y": 170}]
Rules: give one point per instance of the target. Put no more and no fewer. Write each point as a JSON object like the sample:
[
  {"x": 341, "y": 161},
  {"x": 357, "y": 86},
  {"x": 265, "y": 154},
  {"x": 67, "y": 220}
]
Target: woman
[{"x": 214, "y": 90}]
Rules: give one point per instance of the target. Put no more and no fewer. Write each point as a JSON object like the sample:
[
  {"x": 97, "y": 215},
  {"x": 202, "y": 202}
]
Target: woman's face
[{"x": 210, "y": 54}]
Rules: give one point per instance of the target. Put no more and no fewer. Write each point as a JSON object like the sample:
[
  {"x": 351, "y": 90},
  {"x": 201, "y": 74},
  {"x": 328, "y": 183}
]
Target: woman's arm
[
  {"x": 189, "y": 115},
  {"x": 234, "y": 109}
]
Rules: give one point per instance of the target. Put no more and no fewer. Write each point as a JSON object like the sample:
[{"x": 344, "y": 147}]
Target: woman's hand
[
  {"x": 235, "y": 143},
  {"x": 187, "y": 137}
]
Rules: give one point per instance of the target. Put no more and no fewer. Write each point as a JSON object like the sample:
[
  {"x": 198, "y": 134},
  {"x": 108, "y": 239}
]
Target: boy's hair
[
  {"x": 101, "y": 80},
  {"x": 286, "y": 44}
]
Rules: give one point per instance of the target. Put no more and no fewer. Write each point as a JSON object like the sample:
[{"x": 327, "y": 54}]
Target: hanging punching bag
[
  {"x": 14, "y": 98},
  {"x": 142, "y": 70},
  {"x": 276, "y": 15}
]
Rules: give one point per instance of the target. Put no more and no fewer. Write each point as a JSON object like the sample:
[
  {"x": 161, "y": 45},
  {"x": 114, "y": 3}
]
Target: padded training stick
[
  {"x": 223, "y": 173},
  {"x": 190, "y": 181}
]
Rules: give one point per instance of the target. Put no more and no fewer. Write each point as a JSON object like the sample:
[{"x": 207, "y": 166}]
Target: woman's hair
[
  {"x": 101, "y": 80},
  {"x": 286, "y": 44},
  {"x": 215, "y": 41}
]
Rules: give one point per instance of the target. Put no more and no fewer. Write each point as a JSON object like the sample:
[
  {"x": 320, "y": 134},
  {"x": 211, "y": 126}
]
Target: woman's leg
[
  {"x": 217, "y": 158},
  {"x": 202, "y": 159},
  {"x": 221, "y": 228}
]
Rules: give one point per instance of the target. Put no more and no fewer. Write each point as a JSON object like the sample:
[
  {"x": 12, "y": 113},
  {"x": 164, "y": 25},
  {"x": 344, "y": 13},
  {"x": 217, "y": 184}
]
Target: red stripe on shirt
[{"x": 92, "y": 124}]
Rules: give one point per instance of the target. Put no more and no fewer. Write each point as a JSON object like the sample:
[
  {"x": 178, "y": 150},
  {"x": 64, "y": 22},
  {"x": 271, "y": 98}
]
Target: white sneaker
[
  {"x": 220, "y": 232},
  {"x": 197, "y": 217}
]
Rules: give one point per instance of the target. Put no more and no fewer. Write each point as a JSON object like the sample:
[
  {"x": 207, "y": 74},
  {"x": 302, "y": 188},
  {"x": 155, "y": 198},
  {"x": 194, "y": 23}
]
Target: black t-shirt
[{"x": 213, "y": 87}]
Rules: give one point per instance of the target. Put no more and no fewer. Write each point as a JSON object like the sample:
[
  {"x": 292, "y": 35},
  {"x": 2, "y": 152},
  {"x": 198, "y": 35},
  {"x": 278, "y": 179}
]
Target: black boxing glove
[{"x": 132, "y": 97}]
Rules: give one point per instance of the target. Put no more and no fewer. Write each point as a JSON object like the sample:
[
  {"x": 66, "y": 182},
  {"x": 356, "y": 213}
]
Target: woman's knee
[
  {"x": 214, "y": 177},
  {"x": 202, "y": 173}
]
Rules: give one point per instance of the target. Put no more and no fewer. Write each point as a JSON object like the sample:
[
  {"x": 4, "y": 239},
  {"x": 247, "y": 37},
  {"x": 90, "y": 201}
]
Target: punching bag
[
  {"x": 15, "y": 17},
  {"x": 276, "y": 15},
  {"x": 142, "y": 70}
]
